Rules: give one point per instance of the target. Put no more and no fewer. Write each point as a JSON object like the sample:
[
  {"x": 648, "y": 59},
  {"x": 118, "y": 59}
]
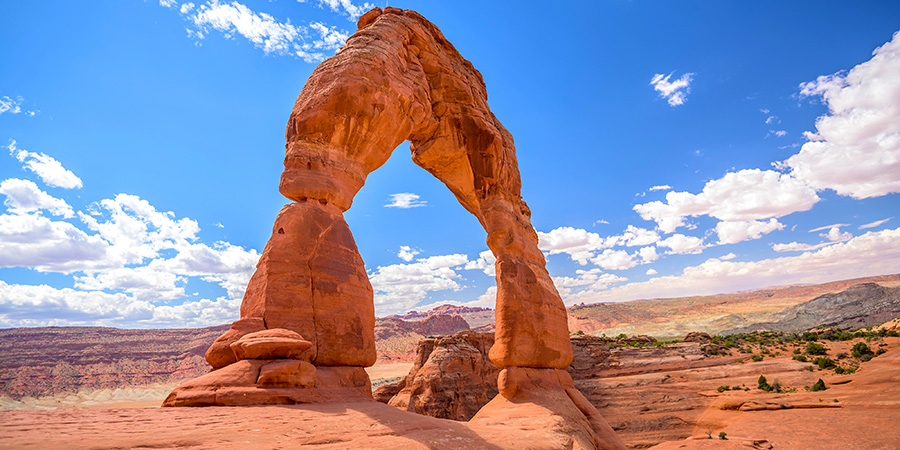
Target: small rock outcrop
[{"x": 451, "y": 378}]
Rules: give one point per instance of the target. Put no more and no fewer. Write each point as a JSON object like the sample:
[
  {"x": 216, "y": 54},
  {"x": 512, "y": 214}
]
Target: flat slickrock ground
[{"x": 648, "y": 407}]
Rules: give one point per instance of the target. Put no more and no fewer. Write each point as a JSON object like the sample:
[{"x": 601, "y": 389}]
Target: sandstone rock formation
[
  {"x": 451, "y": 378},
  {"x": 397, "y": 79}
]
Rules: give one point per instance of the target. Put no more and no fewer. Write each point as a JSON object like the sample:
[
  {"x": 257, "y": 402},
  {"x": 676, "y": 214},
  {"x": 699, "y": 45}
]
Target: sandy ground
[{"x": 151, "y": 395}]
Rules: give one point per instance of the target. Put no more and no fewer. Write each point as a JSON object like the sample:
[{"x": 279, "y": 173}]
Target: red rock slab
[{"x": 277, "y": 343}]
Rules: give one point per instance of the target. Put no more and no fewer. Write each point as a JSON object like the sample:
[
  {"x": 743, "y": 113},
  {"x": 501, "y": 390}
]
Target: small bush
[
  {"x": 880, "y": 351},
  {"x": 819, "y": 386},
  {"x": 816, "y": 349},
  {"x": 723, "y": 388},
  {"x": 824, "y": 363},
  {"x": 756, "y": 358},
  {"x": 800, "y": 358},
  {"x": 763, "y": 384},
  {"x": 722, "y": 435},
  {"x": 776, "y": 386},
  {"x": 860, "y": 349}
]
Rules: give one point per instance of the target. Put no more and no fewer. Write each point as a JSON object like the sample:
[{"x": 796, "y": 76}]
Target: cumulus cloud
[
  {"x": 611, "y": 259},
  {"x": 579, "y": 244},
  {"x": 648, "y": 254},
  {"x": 636, "y": 236},
  {"x": 675, "y": 92},
  {"x": 23, "y": 196},
  {"x": 663, "y": 187},
  {"x": 749, "y": 194},
  {"x": 30, "y": 240},
  {"x": 594, "y": 279},
  {"x": 874, "y": 224},
  {"x": 652, "y": 272},
  {"x": 406, "y": 253},
  {"x": 41, "y": 305},
  {"x": 485, "y": 262},
  {"x": 399, "y": 287},
  {"x": 869, "y": 254},
  {"x": 48, "y": 169},
  {"x": 834, "y": 234},
  {"x": 264, "y": 31},
  {"x": 728, "y": 256},
  {"x": 681, "y": 244},
  {"x": 855, "y": 149},
  {"x": 405, "y": 200},
  {"x": 739, "y": 231}
]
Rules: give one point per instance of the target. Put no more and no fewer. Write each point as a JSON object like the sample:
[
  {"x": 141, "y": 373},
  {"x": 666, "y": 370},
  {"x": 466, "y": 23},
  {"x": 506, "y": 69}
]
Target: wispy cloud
[
  {"x": 14, "y": 106},
  {"x": 405, "y": 200},
  {"x": 50, "y": 170},
  {"x": 353, "y": 11},
  {"x": 674, "y": 91},
  {"x": 265, "y": 32},
  {"x": 662, "y": 187},
  {"x": 874, "y": 224}
]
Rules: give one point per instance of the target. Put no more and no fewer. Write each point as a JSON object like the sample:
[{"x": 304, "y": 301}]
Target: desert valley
[{"x": 656, "y": 389}]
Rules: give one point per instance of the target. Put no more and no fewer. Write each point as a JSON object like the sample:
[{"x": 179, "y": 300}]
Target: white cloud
[
  {"x": 399, "y": 287},
  {"x": 681, "y": 244},
  {"x": 600, "y": 222},
  {"x": 799, "y": 247},
  {"x": 636, "y": 236},
  {"x": 869, "y": 254},
  {"x": 739, "y": 231},
  {"x": 749, "y": 194},
  {"x": 50, "y": 170},
  {"x": 874, "y": 224},
  {"x": 406, "y": 253},
  {"x": 264, "y": 31},
  {"x": 648, "y": 254},
  {"x": 856, "y": 147},
  {"x": 405, "y": 200},
  {"x": 652, "y": 272},
  {"x": 30, "y": 240},
  {"x": 594, "y": 279},
  {"x": 23, "y": 196},
  {"x": 663, "y": 187},
  {"x": 142, "y": 283},
  {"x": 13, "y": 106},
  {"x": 41, "y": 305},
  {"x": 834, "y": 234},
  {"x": 728, "y": 257},
  {"x": 348, "y": 7},
  {"x": 168, "y": 3},
  {"x": 579, "y": 244},
  {"x": 839, "y": 225},
  {"x": 486, "y": 262},
  {"x": 614, "y": 260},
  {"x": 675, "y": 91}
]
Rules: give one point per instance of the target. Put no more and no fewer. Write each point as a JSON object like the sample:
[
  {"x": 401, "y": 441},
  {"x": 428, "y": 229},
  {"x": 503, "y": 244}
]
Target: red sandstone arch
[
  {"x": 399, "y": 79},
  {"x": 396, "y": 79}
]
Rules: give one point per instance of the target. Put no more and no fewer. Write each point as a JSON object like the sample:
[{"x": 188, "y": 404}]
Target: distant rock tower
[{"x": 306, "y": 330}]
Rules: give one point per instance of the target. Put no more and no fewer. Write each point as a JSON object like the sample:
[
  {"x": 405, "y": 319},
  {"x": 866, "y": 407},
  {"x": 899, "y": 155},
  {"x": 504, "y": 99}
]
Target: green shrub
[
  {"x": 722, "y": 435},
  {"x": 800, "y": 358},
  {"x": 824, "y": 363},
  {"x": 816, "y": 349},
  {"x": 763, "y": 384},
  {"x": 860, "y": 349},
  {"x": 723, "y": 388},
  {"x": 880, "y": 351},
  {"x": 756, "y": 358},
  {"x": 819, "y": 386}
]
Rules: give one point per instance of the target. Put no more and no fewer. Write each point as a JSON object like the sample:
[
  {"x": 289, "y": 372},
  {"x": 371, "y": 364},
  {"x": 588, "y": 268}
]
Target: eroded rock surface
[
  {"x": 397, "y": 79},
  {"x": 451, "y": 378}
]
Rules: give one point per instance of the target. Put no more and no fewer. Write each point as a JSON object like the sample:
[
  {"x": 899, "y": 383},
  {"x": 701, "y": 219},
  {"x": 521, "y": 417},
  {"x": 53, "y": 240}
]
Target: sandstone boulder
[{"x": 276, "y": 343}]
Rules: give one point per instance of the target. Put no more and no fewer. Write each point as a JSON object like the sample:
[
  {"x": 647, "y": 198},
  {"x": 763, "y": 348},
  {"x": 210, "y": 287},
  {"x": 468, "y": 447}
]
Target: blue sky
[{"x": 665, "y": 150}]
